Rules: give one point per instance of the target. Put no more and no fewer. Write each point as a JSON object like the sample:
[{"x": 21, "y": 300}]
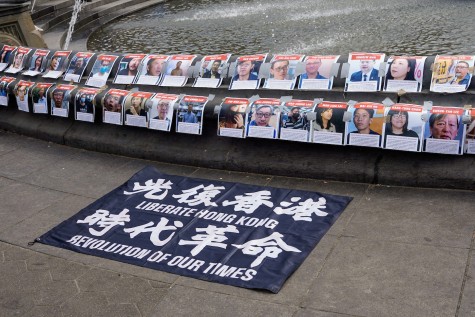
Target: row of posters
[
  {"x": 406, "y": 127},
  {"x": 364, "y": 71}
]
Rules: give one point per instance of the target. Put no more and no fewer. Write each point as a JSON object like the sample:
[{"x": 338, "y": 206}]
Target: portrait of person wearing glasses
[
  {"x": 262, "y": 116},
  {"x": 311, "y": 69},
  {"x": 397, "y": 124},
  {"x": 279, "y": 69},
  {"x": 462, "y": 77}
]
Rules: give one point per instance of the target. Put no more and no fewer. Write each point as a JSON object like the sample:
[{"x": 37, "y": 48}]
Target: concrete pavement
[{"x": 395, "y": 251}]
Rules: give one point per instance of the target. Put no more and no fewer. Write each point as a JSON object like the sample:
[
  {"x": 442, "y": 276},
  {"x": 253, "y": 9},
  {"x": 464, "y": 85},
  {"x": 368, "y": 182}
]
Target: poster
[
  {"x": 151, "y": 69},
  {"x": 366, "y": 125},
  {"x": 263, "y": 119},
  {"x": 57, "y": 64},
  {"x": 364, "y": 72},
  {"x": 235, "y": 234},
  {"x": 112, "y": 105},
  {"x": 37, "y": 63},
  {"x": 246, "y": 73},
  {"x": 19, "y": 60},
  {"x": 77, "y": 66},
  {"x": 60, "y": 100},
  {"x": 85, "y": 104},
  {"x": 294, "y": 123},
  {"x": 189, "y": 115},
  {"x": 282, "y": 72},
  {"x": 177, "y": 70},
  {"x": 452, "y": 74},
  {"x": 135, "y": 109},
  {"x": 101, "y": 70},
  {"x": 404, "y": 73},
  {"x": 211, "y": 71},
  {"x": 128, "y": 68},
  {"x": 4, "y": 82},
  {"x": 444, "y": 131},
  {"x": 5, "y": 54},
  {"x": 404, "y": 127},
  {"x": 470, "y": 135},
  {"x": 318, "y": 74},
  {"x": 38, "y": 97},
  {"x": 329, "y": 126},
  {"x": 21, "y": 92},
  {"x": 160, "y": 115},
  {"x": 232, "y": 117}
]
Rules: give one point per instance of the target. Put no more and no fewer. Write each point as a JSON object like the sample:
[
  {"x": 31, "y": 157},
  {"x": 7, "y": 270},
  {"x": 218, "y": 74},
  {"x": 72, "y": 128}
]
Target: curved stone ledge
[{"x": 274, "y": 157}]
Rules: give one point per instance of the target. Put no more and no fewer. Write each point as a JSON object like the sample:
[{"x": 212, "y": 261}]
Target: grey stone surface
[
  {"x": 21, "y": 201},
  {"x": 377, "y": 278},
  {"x": 88, "y": 180},
  {"x": 318, "y": 313},
  {"x": 467, "y": 305},
  {"x": 228, "y": 176},
  {"x": 31, "y": 227},
  {"x": 188, "y": 301},
  {"x": 413, "y": 215},
  {"x": 394, "y": 251}
]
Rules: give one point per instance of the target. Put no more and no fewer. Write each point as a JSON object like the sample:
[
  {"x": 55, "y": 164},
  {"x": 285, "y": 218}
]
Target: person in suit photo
[{"x": 366, "y": 72}]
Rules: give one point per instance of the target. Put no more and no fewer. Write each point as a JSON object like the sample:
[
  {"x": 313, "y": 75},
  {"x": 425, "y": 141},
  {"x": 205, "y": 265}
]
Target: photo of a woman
[
  {"x": 323, "y": 121},
  {"x": 37, "y": 64},
  {"x": 136, "y": 107},
  {"x": 397, "y": 124},
  {"x": 401, "y": 69},
  {"x": 55, "y": 62}
]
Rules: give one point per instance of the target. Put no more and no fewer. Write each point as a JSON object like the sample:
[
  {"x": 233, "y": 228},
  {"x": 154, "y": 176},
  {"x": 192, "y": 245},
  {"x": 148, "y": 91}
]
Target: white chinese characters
[
  {"x": 212, "y": 236},
  {"x": 152, "y": 188},
  {"x": 249, "y": 202},
  {"x": 105, "y": 220},
  {"x": 304, "y": 210},
  {"x": 268, "y": 247}
]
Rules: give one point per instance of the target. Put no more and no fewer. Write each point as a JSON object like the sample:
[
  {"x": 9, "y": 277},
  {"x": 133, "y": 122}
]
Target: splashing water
[
  {"x": 74, "y": 17},
  {"x": 292, "y": 26}
]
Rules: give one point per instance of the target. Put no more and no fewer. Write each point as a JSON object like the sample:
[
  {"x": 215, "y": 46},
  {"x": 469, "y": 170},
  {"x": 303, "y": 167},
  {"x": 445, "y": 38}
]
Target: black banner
[{"x": 243, "y": 235}]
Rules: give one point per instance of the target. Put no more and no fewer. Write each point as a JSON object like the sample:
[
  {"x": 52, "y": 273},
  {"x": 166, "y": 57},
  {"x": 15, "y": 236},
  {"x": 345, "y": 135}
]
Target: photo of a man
[
  {"x": 214, "y": 71},
  {"x": 362, "y": 119},
  {"x": 262, "y": 116},
  {"x": 279, "y": 69},
  {"x": 462, "y": 75},
  {"x": 113, "y": 103},
  {"x": 58, "y": 96},
  {"x": 189, "y": 116},
  {"x": 366, "y": 72},
  {"x": 84, "y": 103},
  {"x": 154, "y": 67},
  {"x": 163, "y": 108},
  {"x": 263, "y": 119},
  {"x": 131, "y": 66},
  {"x": 295, "y": 119},
  {"x": 245, "y": 71},
  {"x": 311, "y": 69},
  {"x": 444, "y": 126}
]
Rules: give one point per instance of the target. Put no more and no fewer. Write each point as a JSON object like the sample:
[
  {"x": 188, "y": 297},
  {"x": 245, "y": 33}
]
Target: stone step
[
  {"x": 64, "y": 16},
  {"x": 43, "y": 10},
  {"x": 92, "y": 20}
]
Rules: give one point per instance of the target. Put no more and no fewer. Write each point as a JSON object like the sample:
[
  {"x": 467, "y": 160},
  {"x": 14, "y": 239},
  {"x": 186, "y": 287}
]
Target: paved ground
[{"x": 395, "y": 251}]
